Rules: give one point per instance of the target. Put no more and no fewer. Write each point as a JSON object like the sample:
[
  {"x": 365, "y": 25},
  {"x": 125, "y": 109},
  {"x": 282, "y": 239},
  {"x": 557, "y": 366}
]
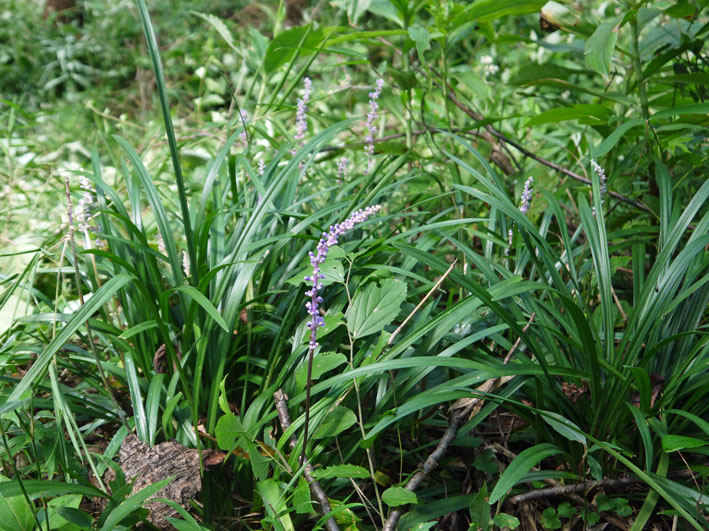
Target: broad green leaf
[
  {"x": 424, "y": 526},
  {"x": 283, "y": 47},
  {"x": 600, "y": 47},
  {"x": 506, "y": 520},
  {"x": 322, "y": 363},
  {"x": 485, "y": 10},
  {"x": 301, "y": 497},
  {"x": 699, "y": 422},
  {"x": 15, "y": 512},
  {"x": 395, "y": 496},
  {"x": 342, "y": 471},
  {"x": 228, "y": 430},
  {"x": 355, "y": 9},
  {"x": 480, "y": 510},
  {"x": 335, "y": 422},
  {"x": 559, "y": 15},
  {"x": 522, "y": 464},
  {"x": 585, "y": 113},
  {"x": 64, "y": 513},
  {"x": 274, "y": 499},
  {"x": 674, "y": 443},
  {"x": 102, "y": 295},
  {"x": 420, "y": 36},
  {"x": 549, "y": 519},
  {"x": 375, "y": 307}
]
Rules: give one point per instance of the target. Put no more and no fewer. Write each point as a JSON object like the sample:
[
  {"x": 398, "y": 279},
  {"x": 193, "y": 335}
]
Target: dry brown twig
[
  {"x": 474, "y": 404},
  {"x": 284, "y": 419},
  {"x": 418, "y": 306},
  {"x": 563, "y": 490}
]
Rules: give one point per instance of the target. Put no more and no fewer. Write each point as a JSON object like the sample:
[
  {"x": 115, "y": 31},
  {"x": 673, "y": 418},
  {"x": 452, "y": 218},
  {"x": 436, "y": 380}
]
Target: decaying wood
[{"x": 144, "y": 466}]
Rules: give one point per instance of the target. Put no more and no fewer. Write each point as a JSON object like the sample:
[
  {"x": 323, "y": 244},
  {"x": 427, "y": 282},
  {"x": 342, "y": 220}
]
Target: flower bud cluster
[
  {"x": 317, "y": 258},
  {"x": 601, "y": 175},
  {"x": 301, "y": 120},
  {"x": 342, "y": 169},
  {"x": 526, "y": 196},
  {"x": 490, "y": 68},
  {"x": 83, "y": 211},
  {"x": 371, "y": 128}
]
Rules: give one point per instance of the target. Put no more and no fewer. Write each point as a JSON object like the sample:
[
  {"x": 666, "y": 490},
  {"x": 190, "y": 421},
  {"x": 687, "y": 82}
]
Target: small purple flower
[
  {"x": 317, "y": 258},
  {"x": 261, "y": 167},
  {"x": 510, "y": 234},
  {"x": 342, "y": 169},
  {"x": 526, "y": 196},
  {"x": 301, "y": 120},
  {"x": 371, "y": 128}
]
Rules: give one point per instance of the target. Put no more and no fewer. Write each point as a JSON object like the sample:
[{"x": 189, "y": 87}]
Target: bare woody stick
[
  {"x": 418, "y": 306},
  {"x": 586, "y": 487},
  {"x": 284, "y": 420},
  {"x": 454, "y": 423}
]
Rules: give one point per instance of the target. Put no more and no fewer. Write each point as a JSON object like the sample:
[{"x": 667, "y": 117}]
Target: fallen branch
[
  {"x": 451, "y": 431},
  {"x": 319, "y": 494},
  {"x": 587, "y": 486},
  {"x": 418, "y": 306},
  {"x": 478, "y": 117}
]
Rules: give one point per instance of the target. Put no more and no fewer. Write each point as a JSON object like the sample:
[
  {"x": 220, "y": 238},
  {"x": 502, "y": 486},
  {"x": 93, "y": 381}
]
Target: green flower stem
[{"x": 639, "y": 68}]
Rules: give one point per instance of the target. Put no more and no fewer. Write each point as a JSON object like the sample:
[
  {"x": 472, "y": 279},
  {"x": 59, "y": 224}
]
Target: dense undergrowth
[{"x": 513, "y": 334}]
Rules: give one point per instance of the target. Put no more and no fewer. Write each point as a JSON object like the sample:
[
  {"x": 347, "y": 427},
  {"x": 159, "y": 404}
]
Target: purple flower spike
[
  {"x": 342, "y": 169},
  {"x": 526, "y": 196},
  {"x": 328, "y": 239},
  {"x": 301, "y": 120},
  {"x": 371, "y": 128}
]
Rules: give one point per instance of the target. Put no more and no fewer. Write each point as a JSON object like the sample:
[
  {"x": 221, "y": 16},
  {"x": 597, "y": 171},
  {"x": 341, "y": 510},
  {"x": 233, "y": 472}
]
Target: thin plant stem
[
  {"x": 639, "y": 68},
  {"x": 89, "y": 334},
  {"x": 360, "y": 416}
]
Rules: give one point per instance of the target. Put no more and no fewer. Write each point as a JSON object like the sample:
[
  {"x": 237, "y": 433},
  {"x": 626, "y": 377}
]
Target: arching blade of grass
[
  {"x": 102, "y": 295},
  {"x": 522, "y": 464},
  {"x": 158, "y": 210},
  {"x": 132, "y": 503},
  {"x": 170, "y": 132}
]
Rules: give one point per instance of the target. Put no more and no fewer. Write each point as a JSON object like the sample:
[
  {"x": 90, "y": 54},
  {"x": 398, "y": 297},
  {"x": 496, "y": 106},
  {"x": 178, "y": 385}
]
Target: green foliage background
[{"x": 577, "y": 326}]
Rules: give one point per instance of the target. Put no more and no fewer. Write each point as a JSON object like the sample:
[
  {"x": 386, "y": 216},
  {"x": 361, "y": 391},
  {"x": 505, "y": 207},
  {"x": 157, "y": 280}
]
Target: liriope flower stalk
[{"x": 317, "y": 258}]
